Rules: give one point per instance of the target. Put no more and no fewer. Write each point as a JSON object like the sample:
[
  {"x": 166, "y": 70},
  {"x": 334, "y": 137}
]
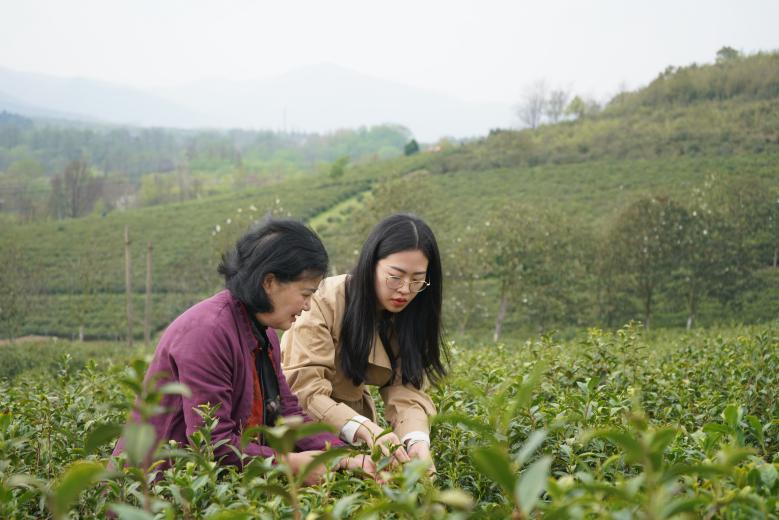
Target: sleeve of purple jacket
[
  {"x": 204, "y": 362},
  {"x": 291, "y": 406}
]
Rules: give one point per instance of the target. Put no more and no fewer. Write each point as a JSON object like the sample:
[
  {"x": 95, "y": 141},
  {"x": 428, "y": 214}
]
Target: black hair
[
  {"x": 417, "y": 328},
  {"x": 286, "y": 249}
]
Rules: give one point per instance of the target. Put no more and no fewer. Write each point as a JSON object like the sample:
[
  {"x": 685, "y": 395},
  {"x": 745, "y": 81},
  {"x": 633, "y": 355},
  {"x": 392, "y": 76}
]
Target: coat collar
[
  {"x": 245, "y": 326},
  {"x": 378, "y": 355}
]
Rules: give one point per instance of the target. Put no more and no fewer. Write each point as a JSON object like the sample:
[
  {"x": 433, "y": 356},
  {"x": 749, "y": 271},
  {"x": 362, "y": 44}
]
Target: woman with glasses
[{"x": 379, "y": 325}]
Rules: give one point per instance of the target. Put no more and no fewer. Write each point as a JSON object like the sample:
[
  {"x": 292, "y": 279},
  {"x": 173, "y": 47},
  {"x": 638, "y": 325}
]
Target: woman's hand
[
  {"x": 371, "y": 433},
  {"x": 421, "y": 450},
  {"x": 298, "y": 461},
  {"x": 359, "y": 463}
]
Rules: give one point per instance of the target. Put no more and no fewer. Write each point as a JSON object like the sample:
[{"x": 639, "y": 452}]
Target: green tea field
[{"x": 609, "y": 425}]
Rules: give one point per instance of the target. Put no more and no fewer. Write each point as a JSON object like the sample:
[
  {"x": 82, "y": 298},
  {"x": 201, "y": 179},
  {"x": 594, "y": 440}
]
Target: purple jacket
[{"x": 210, "y": 348}]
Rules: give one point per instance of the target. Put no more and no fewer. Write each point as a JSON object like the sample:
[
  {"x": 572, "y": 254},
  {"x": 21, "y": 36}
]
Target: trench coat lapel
[{"x": 378, "y": 355}]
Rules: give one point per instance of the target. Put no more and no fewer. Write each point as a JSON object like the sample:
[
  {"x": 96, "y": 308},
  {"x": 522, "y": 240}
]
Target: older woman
[{"x": 226, "y": 351}]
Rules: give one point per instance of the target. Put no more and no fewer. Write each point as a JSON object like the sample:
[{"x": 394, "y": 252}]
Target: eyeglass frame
[{"x": 425, "y": 283}]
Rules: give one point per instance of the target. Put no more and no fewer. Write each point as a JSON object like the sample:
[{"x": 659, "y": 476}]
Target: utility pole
[
  {"x": 128, "y": 287},
  {"x": 147, "y": 310}
]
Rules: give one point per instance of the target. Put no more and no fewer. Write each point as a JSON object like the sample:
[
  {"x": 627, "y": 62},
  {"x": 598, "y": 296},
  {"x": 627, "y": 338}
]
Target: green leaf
[
  {"x": 175, "y": 389},
  {"x": 733, "y": 456},
  {"x": 703, "y": 470},
  {"x": 681, "y": 505},
  {"x": 285, "y": 435},
  {"x": 139, "y": 441},
  {"x": 533, "y": 441},
  {"x": 768, "y": 474},
  {"x": 127, "y": 512},
  {"x": 230, "y": 514},
  {"x": 493, "y": 462},
  {"x": 661, "y": 439},
  {"x": 757, "y": 429},
  {"x": 257, "y": 467},
  {"x": 249, "y": 435},
  {"x": 470, "y": 423},
  {"x": 531, "y": 483},
  {"x": 631, "y": 446},
  {"x": 320, "y": 459},
  {"x": 5, "y": 421},
  {"x": 732, "y": 414},
  {"x": 100, "y": 435},
  {"x": 27, "y": 481},
  {"x": 76, "y": 479},
  {"x": 717, "y": 428},
  {"x": 276, "y": 490},
  {"x": 456, "y": 499},
  {"x": 343, "y": 506},
  {"x": 387, "y": 506},
  {"x": 525, "y": 393}
]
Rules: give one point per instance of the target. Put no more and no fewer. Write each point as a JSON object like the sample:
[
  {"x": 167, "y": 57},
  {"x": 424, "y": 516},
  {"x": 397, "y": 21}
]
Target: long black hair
[
  {"x": 285, "y": 248},
  {"x": 417, "y": 328}
]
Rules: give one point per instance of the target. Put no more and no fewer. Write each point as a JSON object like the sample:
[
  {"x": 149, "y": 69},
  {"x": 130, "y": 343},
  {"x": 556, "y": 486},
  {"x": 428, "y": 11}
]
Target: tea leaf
[
  {"x": 533, "y": 441},
  {"x": 139, "y": 441},
  {"x": 76, "y": 479},
  {"x": 494, "y": 463},
  {"x": 531, "y": 483},
  {"x": 127, "y": 512},
  {"x": 101, "y": 435}
]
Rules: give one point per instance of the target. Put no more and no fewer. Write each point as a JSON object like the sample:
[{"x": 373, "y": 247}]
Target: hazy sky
[{"x": 481, "y": 50}]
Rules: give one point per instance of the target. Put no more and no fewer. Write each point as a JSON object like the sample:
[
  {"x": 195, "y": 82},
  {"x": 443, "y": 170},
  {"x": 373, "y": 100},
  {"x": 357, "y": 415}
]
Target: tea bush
[{"x": 610, "y": 425}]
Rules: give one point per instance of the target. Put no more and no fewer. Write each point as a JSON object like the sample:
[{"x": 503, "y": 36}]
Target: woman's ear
[{"x": 268, "y": 281}]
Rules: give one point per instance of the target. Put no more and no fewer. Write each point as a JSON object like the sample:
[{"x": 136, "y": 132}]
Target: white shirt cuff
[
  {"x": 416, "y": 436},
  {"x": 350, "y": 428}
]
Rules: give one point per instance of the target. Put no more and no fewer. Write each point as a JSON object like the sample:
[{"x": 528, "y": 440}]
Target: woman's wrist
[
  {"x": 411, "y": 442},
  {"x": 367, "y": 431}
]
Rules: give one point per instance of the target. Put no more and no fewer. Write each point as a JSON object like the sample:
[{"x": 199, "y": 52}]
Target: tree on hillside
[
  {"x": 726, "y": 54},
  {"x": 411, "y": 147},
  {"x": 534, "y": 99},
  {"x": 338, "y": 168},
  {"x": 20, "y": 188},
  {"x": 184, "y": 179},
  {"x": 80, "y": 190},
  {"x": 556, "y": 104},
  {"x": 156, "y": 188},
  {"x": 464, "y": 261},
  {"x": 614, "y": 306},
  {"x": 645, "y": 237},
  {"x": 752, "y": 207},
  {"x": 533, "y": 256},
  {"x": 580, "y": 107},
  {"x": 706, "y": 261},
  {"x": 57, "y": 204}
]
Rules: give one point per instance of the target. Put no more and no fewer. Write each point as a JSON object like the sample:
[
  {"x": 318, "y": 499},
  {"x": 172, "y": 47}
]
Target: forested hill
[
  {"x": 43, "y": 161},
  {"x": 132, "y": 151},
  {"x": 660, "y": 207},
  {"x": 724, "y": 109}
]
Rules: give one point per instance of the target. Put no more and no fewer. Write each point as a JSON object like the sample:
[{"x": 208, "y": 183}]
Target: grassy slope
[{"x": 590, "y": 168}]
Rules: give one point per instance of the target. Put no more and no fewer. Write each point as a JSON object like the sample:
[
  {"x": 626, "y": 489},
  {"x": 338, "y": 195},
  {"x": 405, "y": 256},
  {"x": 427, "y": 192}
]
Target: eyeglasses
[{"x": 396, "y": 282}]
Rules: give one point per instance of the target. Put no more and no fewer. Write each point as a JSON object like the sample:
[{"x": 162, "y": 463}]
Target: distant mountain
[
  {"x": 13, "y": 105},
  {"x": 326, "y": 97},
  {"x": 317, "y": 98},
  {"x": 77, "y": 98}
]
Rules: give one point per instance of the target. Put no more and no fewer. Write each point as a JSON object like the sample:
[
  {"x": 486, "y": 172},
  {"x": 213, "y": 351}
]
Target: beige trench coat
[{"x": 310, "y": 357}]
